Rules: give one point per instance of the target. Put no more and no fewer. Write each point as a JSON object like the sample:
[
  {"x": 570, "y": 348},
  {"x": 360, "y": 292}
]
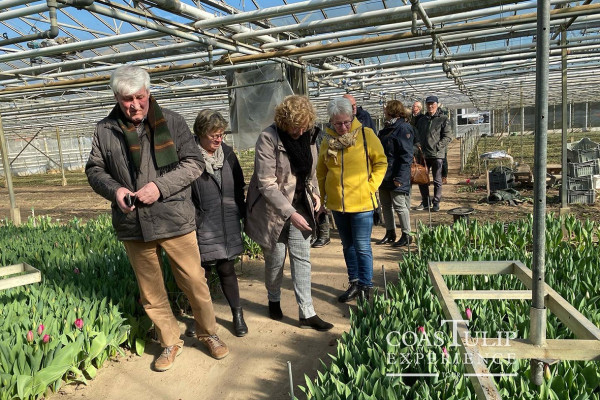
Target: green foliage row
[
  {"x": 370, "y": 357},
  {"x": 86, "y": 281},
  {"x": 84, "y": 311}
]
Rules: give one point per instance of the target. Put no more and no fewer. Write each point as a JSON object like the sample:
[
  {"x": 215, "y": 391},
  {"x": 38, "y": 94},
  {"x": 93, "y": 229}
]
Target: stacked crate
[
  {"x": 501, "y": 178},
  {"x": 583, "y": 164}
]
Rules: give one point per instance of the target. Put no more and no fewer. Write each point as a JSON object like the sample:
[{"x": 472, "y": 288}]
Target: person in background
[
  {"x": 351, "y": 166},
  {"x": 433, "y": 136},
  {"x": 218, "y": 195},
  {"x": 444, "y": 111},
  {"x": 361, "y": 114},
  {"x": 417, "y": 107},
  {"x": 144, "y": 160},
  {"x": 282, "y": 199},
  {"x": 397, "y": 138}
]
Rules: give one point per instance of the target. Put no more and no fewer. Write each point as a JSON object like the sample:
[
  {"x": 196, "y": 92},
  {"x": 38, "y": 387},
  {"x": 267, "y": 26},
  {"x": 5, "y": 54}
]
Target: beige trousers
[{"x": 184, "y": 258}]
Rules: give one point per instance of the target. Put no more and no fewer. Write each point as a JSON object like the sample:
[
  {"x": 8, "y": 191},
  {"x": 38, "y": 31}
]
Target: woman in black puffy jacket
[
  {"x": 397, "y": 138},
  {"x": 219, "y": 199}
]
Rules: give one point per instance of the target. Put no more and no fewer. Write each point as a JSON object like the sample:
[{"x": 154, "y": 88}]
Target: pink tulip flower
[
  {"x": 469, "y": 313},
  {"x": 30, "y": 336},
  {"x": 421, "y": 330},
  {"x": 445, "y": 352},
  {"x": 79, "y": 323},
  {"x": 41, "y": 329},
  {"x": 76, "y": 271},
  {"x": 46, "y": 338}
]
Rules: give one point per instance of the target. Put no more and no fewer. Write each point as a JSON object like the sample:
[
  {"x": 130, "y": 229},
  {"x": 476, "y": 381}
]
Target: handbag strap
[{"x": 367, "y": 160}]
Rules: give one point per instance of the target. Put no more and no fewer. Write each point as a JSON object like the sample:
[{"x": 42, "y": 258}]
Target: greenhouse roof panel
[{"x": 484, "y": 53}]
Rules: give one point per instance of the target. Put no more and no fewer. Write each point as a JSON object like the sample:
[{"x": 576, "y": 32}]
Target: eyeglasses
[
  {"x": 347, "y": 124},
  {"x": 220, "y": 136}
]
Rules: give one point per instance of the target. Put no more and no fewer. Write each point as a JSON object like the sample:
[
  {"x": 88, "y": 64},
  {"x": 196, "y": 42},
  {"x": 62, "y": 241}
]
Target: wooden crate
[{"x": 25, "y": 274}]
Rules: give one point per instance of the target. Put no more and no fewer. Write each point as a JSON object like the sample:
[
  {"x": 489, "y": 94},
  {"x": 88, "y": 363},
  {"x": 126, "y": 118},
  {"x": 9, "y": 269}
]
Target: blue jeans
[{"x": 355, "y": 231}]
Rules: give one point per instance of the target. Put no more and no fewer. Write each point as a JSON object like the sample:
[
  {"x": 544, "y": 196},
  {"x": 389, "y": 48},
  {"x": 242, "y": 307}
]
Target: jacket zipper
[{"x": 342, "y": 182}]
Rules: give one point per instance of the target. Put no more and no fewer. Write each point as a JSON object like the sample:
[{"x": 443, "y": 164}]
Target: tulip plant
[{"x": 398, "y": 348}]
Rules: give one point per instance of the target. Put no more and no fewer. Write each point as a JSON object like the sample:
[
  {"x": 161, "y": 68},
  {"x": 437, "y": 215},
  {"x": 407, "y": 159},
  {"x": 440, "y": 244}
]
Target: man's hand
[
  {"x": 120, "y": 199},
  {"x": 299, "y": 222},
  {"x": 148, "y": 194}
]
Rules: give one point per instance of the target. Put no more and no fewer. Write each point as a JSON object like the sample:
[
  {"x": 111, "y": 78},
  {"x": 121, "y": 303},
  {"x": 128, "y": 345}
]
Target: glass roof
[{"x": 56, "y": 55}]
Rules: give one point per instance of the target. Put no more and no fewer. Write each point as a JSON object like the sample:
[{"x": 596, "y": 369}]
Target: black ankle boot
[
  {"x": 404, "y": 240},
  {"x": 390, "y": 237},
  {"x": 239, "y": 325},
  {"x": 275, "y": 310},
  {"x": 350, "y": 294},
  {"x": 364, "y": 293}
]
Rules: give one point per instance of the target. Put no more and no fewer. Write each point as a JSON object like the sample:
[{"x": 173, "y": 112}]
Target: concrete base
[
  {"x": 564, "y": 211},
  {"x": 15, "y": 216}
]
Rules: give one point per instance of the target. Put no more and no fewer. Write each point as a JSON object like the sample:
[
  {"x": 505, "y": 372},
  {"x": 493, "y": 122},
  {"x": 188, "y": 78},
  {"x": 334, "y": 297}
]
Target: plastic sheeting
[{"x": 253, "y": 104}]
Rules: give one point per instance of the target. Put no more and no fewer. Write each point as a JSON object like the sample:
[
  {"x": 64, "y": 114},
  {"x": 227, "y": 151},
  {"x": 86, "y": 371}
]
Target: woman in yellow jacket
[{"x": 350, "y": 168}]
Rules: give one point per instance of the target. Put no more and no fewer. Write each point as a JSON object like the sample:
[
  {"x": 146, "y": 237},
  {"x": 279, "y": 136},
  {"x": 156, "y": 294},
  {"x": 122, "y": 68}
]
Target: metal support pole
[
  {"x": 571, "y": 116},
  {"x": 60, "y": 156},
  {"x": 564, "y": 206},
  {"x": 508, "y": 117},
  {"x": 289, "y": 363},
  {"x": 522, "y": 121},
  {"x": 15, "y": 214},
  {"x": 585, "y": 125},
  {"x": 538, "y": 308},
  {"x": 385, "y": 281}
]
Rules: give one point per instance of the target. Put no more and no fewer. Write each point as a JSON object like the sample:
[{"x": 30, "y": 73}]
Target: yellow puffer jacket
[{"x": 345, "y": 185}]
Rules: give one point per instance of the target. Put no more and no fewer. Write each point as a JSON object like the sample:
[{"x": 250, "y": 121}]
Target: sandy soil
[{"x": 257, "y": 365}]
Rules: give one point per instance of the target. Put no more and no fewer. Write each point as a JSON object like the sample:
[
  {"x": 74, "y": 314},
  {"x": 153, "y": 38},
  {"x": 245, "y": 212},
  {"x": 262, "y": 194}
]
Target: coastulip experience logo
[{"x": 412, "y": 350}]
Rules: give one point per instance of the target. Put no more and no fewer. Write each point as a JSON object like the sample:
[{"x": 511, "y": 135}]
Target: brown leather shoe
[
  {"x": 167, "y": 357},
  {"x": 215, "y": 346}
]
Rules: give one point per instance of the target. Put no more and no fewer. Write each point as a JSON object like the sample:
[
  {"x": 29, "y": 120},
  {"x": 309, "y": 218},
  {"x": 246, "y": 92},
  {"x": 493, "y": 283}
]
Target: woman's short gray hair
[
  {"x": 208, "y": 122},
  {"x": 129, "y": 79},
  {"x": 339, "y": 106}
]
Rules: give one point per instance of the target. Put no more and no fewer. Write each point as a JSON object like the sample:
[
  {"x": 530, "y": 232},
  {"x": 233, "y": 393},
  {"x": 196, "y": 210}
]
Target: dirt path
[{"x": 256, "y": 368}]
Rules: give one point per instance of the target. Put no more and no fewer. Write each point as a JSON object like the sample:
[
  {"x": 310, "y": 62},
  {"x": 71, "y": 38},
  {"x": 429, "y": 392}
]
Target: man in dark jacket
[
  {"x": 433, "y": 136},
  {"x": 144, "y": 159},
  {"x": 361, "y": 114}
]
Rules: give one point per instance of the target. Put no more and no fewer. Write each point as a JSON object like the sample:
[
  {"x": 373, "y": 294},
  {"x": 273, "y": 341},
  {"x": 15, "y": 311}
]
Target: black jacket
[
  {"x": 397, "y": 141},
  {"x": 434, "y": 134},
  {"x": 219, "y": 210},
  {"x": 108, "y": 168}
]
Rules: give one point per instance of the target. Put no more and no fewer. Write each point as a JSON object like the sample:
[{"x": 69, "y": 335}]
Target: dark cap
[{"x": 431, "y": 99}]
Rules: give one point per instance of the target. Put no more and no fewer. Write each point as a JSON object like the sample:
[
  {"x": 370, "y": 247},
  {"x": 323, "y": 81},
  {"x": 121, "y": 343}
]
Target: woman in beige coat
[{"x": 282, "y": 197}]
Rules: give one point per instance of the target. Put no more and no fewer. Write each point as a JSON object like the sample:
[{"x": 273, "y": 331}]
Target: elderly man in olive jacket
[
  {"x": 433, "y": 136},
  {"x": 144, "y": 159}
]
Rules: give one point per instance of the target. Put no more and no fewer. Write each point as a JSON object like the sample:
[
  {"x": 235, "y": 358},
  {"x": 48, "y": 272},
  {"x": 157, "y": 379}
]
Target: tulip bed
[
  {"x": 404, "y": 334},
  {"x": 83, "y": 312}
]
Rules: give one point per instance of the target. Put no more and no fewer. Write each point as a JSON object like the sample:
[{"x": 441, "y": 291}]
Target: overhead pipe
[
  {"x": 378, "y": 17},
  {"x": 24, "y": 11},
  {"x": 270, "y": 12},
  {"x": 111, "y": 12},
  {"x": 48, "y": 34},
  {"x": 403, "y": 25}
]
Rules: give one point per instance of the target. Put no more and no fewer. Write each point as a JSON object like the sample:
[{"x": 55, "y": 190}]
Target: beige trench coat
[{"x": 271, "y": 189}]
